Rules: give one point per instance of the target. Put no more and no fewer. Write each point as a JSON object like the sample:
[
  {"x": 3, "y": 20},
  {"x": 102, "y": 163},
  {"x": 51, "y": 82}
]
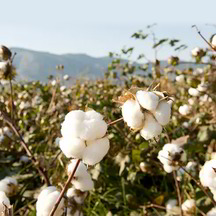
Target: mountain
[{"x": 34, "y": 65}]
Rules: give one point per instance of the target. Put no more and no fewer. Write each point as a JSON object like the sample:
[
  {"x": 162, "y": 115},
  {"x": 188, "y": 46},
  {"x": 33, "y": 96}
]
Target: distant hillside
[{"x": 33, "y": 65}]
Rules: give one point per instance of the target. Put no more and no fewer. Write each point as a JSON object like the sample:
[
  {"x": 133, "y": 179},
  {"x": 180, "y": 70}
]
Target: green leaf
[
  {"x": 173, "y": 42},
  {"x": 160, "y": 42},
  {"x": 135, "y": 155}
]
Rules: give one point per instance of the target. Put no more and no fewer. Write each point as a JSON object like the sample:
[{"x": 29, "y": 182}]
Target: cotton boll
[
  {"x": 132, "y": 114},
  {"x": 151, "y": 128},
  {"x": 66, "y": 77},
  {"x": 53, "y": 83},
  {"x": 3, "y": 66},
  {"x": 46, "y": 201},
  {"x": 185, "y": 109},
  {"x": 195, "y": 51},
  {"x": 212, "y": 212},
  {"x": 169, "y": 155},
  {"x": 213, "y": 40},
  {"x": 202, "y": 87},
  {"x": 171, "y": 203},
  {"x": 180, "y": 78},
  {"x": 207, "y": 174},
  {"x": 3, "y": 201},
  {"x": 95, "y": 151},
  {"x": 63, "y": 88},
  {"x": 81, "y": 169},
  {"x": 9, "y": 186},
  {"x": 75, "y": 115},
  {"x": 148, "y": 100},
  {"x": 189, "y": 205},
  {"x": 72, "y": 147},
  {"x": 163, "y": 113},
  {"x": 77, "y": 195},
  {"x": 91, "y": 114},
  {"x": 83, "y": 183},
  {"x": 193, "y": 92},
  {"x": 191, "y": 101}
]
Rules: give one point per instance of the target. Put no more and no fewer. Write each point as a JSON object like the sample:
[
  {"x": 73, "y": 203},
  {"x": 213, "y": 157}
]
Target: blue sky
[{"x": 96, "y": 27}]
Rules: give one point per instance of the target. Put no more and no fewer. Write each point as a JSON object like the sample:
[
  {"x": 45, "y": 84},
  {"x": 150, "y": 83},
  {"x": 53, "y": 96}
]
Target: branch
[
  {"x": 25, "y": 146},
  {"x": 178, "y": 192},
  {"x": 64, "y": 189},
  {"x": 114, "y": 122},
  {"x": 200, "y": 186}
]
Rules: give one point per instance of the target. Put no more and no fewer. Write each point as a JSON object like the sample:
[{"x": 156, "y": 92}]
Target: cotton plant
[
  {"x": 171, "y": 156},
  {"x": 189, "y": 207},
  {"x": 46, "y": 201},
  {"x": 146, "y": 111}
]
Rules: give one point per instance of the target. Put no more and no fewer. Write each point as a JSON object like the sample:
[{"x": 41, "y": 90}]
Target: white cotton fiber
[
  {"x": 148, "y": 100},
  {"x": 3, "y": 199},
  {"x": 83, "y": 183},
  {"x": 81, "y": 169},
  {"x": 132, "y": 114},
  {"x": 163, "y": 113},
  {"x": 151, "y": 127},
  {"x": 72, "y": 147},
  {"x": 95, "y": 151}
]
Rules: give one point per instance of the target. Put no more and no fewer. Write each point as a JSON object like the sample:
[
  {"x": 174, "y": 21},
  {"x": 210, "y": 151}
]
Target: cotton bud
[
  {"x": 212, "y": 212},
  {"x": 46, "y": 201},
  {"x": 95, "y": 151},
  {"x": 189, "y": 206},
  {"x": 185, "y": 109},
  {"x": 163, "y": 112},
  {"x": 9, "y": 186},
  {"x": 180, "y": 78},
  {"x": 193, "y": 92},
  {"x": 148, "y": 100},
  {"x": 151, "y": 128},
  {"x": 4, "y": 201},
  {"x": 170, "y": 156},
  {"x": 207, "y": 174},
  {"x": 84, "y": 125},
  {"x": 72, "y": 147},
  {"x": 132, "y": 114}
]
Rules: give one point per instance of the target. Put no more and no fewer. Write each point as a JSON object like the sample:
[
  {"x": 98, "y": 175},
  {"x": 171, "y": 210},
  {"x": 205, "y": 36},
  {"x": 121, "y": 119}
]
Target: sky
[{"x": 97, "y": 27}]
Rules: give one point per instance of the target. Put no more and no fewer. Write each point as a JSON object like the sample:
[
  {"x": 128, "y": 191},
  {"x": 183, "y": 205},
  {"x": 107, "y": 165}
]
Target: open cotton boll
[
  {"x": 169, "y": 155},
  {"x": 151, "y": 127},
  {"x": 163, "y": 113},
  {"x": 95, "y": 151},
  {"x": 171, "y": 203},
  {"x": 77, "y": 195},
  {"x": 180, "y": 78},
  {"x": 72, "y": 147},
  {"x": 81, "y": 169},
  {"x": 195, "y": 51},
  {"x": 83, "y": 183},
  {"x": 189, "y": 205},
  {"x": 132, "y": 114},
  {"x": 148, "y": 100},
  {"x": 3, "y": 66},
  {"x": 88, "y": 126},
  {"x": 3, "y": 201},
  {"x": 46, "y": 201},
  {"x": 8, "y": 185},
  {"x": 193, "y": 92},
  {"x": 207, "y": 174},
  {"x": 202, "y": 87},
  {"x": 185, "y": 109},
  {"x": 212, "y": 212}
]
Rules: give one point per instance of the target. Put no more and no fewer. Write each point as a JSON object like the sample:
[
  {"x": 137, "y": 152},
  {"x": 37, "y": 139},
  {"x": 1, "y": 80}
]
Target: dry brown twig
[{"x": 12, "y": 125}]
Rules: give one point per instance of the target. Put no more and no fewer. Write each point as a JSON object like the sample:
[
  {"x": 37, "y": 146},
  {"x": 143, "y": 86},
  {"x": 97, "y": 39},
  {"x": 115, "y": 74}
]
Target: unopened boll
[
  {"x": 46, "y": 201},
  {"x": 151, "y": 128},
  {"x": 163, "y": 113},
  {"x": 84, "y": 125},
  {"x": 193, "y": 92},
  {"x": 170, "y": 155},
  {"x": 189, "y": 206},
  {"x": 148, "y": 100},
  {"x": 9, "y": 186},
  {"x": 4, "y": 201},
  {"x": 132, "y": 114},
  {"x": 207, "y": 174},
  {"x": 185, "y": 109}
]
